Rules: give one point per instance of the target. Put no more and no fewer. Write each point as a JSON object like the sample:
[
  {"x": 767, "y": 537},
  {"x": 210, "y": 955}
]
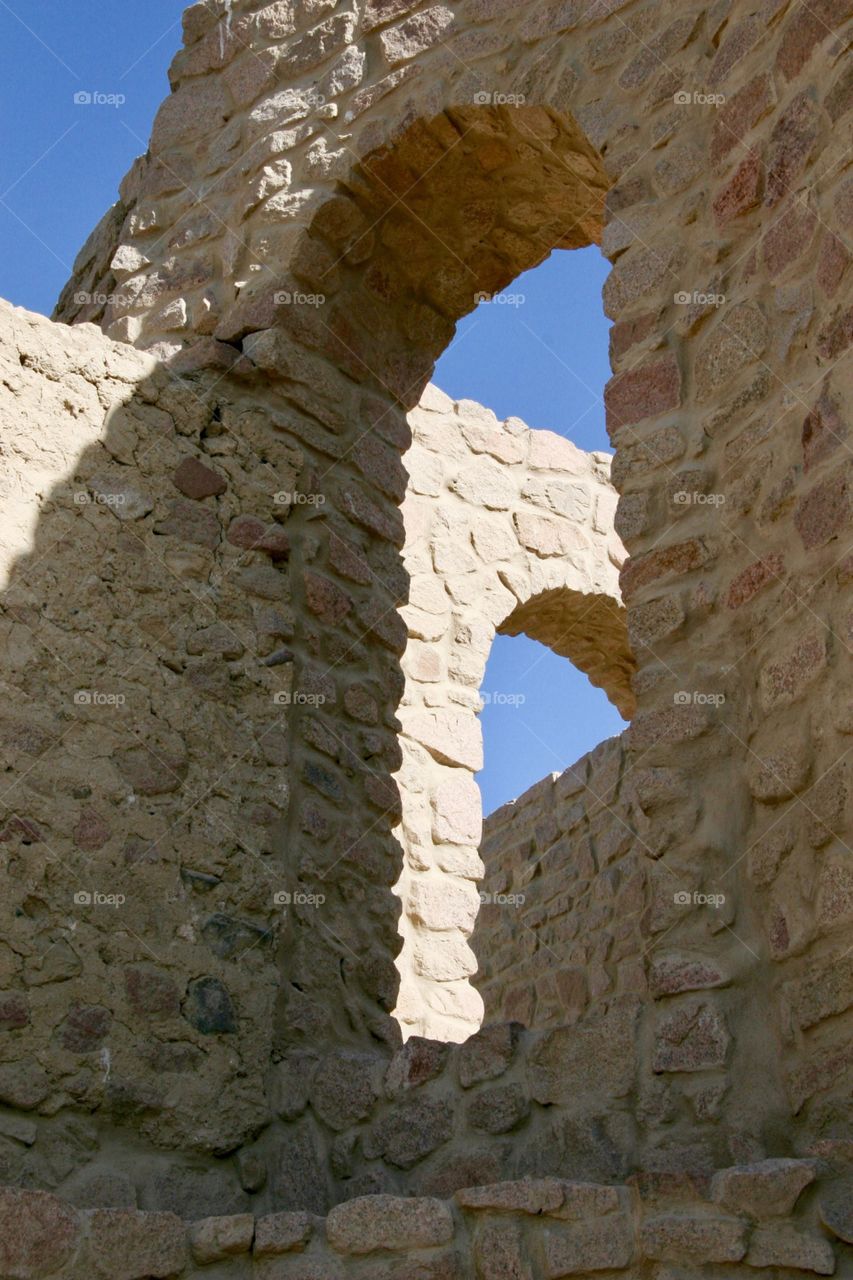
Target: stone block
[
  {"x": 487, "y": 1054},
  {"x": 342, "y": 1090},
  {"x": 388, "y": 1222},
  {"x": 278, "y": 1233},
  {"x": 214, "y": 1239},
  {"x": 781, "y": 1245},
  {"x": 650, "y": 389},
  {"x": 605, "y": 1244},
  {"x": 123, "y": 1244},
  {"x": 693, "y": 1037},
  {"x": 38, "y": 1234},
  {"x": 410, "y": 1132},
  {"x": 499, "y": 1109},
  {"x": 684, "y": 1238},
  {"x": 595, "y": 1057},
  {"x": 528, "y": 1195},
  {"x": 766, "y": 1189},
  {"x": 499, "y": 1252}
]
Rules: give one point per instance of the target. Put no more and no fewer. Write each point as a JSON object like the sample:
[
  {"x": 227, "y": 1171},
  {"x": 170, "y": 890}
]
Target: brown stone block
[
  {"x": 684, "y": 1238},
  {"x": 645, "y": 392},
  {"x": 739, "y": 115},
  {"x": 38, "y": 1234}
]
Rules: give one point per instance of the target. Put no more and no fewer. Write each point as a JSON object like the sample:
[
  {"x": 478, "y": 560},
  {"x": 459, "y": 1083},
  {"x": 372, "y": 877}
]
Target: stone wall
[
  {"x": 565, "y": 922},
  {"x": 327, "y": 191},
  {"x": 740, "y": 1220},
  {"x": 166, "y": 940},
  {"x": 159, "y": 932},
  {"x": 509, "y": 530}
]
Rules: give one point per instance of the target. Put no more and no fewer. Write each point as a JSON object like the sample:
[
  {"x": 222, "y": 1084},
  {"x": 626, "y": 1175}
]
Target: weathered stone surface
[
  {"x": 672, "y": 974},
  {"x": 457, "y": 810},
  {"x": 191, "y": 523},
  {"x": 214, "y": 1239},
  {"x": 448, "y": 193},
  {"x": 38, "y": 1234},
  {"x": 488, "y": 1054},
  {"x": 575, "y": 1062},
  {"x": 499, "y": 1109},
  {"x": 602, "y": 1245},
  {"x": 691, "y": 1038},
  {"x": 418, "y": 1061},
  {"x": 835, "y": 1205},
  {"x": 782, "y": 1246},
  {"x": 209, "y": 1008},
  {"x": 645, "y": 392},
  {"x": 125, "y": 1245},
  {"x": 277, "y": 1233},
  {"x": 195, "y": 480},
  {"x": 410, "y": 1132},
  {"x": 499, "y": 1252},
  {"x": 767, "y": 1189},
  {"x": 534, "y": 1196},
  {"x": 388, "y": 1222},
  {"x": 342, "y": 1091},
  {"x": 682, "y": 1238}
]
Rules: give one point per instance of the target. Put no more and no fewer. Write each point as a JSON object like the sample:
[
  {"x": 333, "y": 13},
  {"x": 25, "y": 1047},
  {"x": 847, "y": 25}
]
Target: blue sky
[
  {"x": 544, "y": 359},
  {"x": 61, "y": 163}
]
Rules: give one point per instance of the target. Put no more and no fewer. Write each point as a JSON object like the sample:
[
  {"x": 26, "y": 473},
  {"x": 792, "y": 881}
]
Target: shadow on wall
[
  {"x": 202, "y": 677},
  {"x": 173, "y": 922}
]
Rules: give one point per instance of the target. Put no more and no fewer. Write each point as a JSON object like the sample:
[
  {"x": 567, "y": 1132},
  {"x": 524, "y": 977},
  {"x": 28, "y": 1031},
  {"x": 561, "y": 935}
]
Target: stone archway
[
  {"x": 718, "y": 133},
  {"x": 349, "y": 332},
  {"x": 507, "y": 529}
]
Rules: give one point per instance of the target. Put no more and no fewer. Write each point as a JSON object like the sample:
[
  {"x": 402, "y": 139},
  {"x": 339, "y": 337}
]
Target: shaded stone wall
[
  {"x": 159, "y": 926},
  {"x": 741, "y": 1220},
  {"x": 510, "y": 530},
  {"x": 568, "y": 915}
]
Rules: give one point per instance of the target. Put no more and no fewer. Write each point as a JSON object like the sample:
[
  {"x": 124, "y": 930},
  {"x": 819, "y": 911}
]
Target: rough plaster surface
[{"x": 309, "y": 152}]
